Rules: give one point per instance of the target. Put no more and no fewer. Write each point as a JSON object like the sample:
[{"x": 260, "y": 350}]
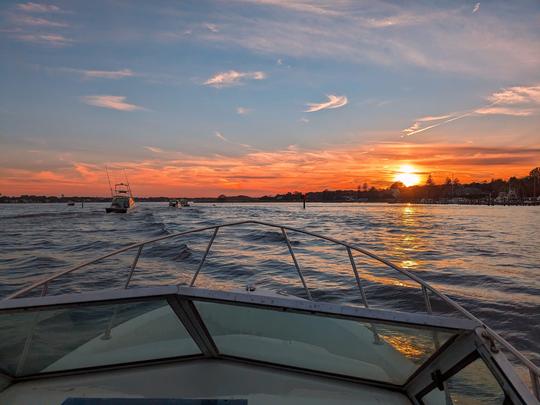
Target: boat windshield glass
[
  {"x": 367, "y": 350},
  {"x": 37, "y": 341},
  {"x": 472, "y": 384}
]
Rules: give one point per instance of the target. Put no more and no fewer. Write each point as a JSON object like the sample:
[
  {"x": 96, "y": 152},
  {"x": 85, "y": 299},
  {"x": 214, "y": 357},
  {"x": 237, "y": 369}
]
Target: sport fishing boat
[
  {"x": 174, "y": 203},
  {"x": 184, "y": 344},
  {"x": 184, "y": 203},
  {"x": 122, "y": 199}
]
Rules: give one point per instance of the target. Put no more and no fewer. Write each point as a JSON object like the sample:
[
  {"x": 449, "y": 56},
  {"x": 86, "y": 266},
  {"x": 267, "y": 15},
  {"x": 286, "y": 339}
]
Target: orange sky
[
  {"x": 258, "y": 172},
  {"x": 264, "y": 97}
]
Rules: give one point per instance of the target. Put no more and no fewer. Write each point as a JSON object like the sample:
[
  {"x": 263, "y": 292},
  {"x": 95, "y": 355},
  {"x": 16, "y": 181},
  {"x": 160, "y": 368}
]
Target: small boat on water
[
  {"x": 122, "y": 199},
  {"x": 186, "y": 344},
  {"x": 71, "y": 203},
  {"x": 179, "y": 203}
]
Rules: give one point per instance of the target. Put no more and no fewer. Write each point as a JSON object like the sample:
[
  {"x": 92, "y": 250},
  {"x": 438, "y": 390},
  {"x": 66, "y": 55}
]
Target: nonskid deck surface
[{"x": 211, "y": 379}]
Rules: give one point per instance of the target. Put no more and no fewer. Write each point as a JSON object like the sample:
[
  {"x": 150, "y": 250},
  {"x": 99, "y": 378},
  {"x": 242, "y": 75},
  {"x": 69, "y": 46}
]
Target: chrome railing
[{"x": 534, "y": 371}]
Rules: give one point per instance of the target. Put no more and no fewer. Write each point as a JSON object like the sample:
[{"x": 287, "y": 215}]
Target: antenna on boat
[
  {"x": 127, "y": 181},
  {"x": 109, "y": 180}
]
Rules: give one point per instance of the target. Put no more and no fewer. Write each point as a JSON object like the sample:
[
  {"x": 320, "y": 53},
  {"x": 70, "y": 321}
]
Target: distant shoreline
[{"x": 256, "y": 201}]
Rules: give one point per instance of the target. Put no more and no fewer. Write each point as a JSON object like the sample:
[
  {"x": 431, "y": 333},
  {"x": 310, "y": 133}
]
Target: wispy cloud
[
  {"x": 387, "y": 34},
  {"x": 301, "y": 6},
  {"x": 476, "y": 7},
  {"x": 38, "y": 7},
  {"x": 333, "y": 102},
  {"x": 111, "y": 102},
  {"x": 54, "y": 40},
  {"x": 243, "y": 110},
  {"x": 154, "y": 149},
  {"x": 434, "y": 118},
  {"x": 522, "y": 112},
  {"x": 101, "y": 74},
  {"x": 417, "y": 127},
  {"x": 517, "y": 95},
  {"x": 219, "y": 135},
  {"x": 211, "y": 27},
  {"x": 37, "y": 21},
  {"x": 258, "y": 172},
  {"x": 517, "y": 101},
  {"x": 304, "y": 120},
  {"x": 223, "y": 138},
  {"x": 233, "y": 78}
]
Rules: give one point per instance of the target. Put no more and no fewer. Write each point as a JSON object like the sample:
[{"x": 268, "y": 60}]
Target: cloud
[
  {"x": 101, "y": 74},
  {"x": 505, "y": 111},
  {"x": 111, "y": 102},
  {"x": 417, "y": 127},
  {"x": 243, "y": 110},
  {"x": 281, "y": 170},
  {"x": 434, "y": 118},
  {"x": 54, "y": 40},
  {"x": 304, "y": 120},
  {"x": 385, "y": 34},
  {"x": 154, "y": 149},
  {"x": 211, "y": 27},
  {"x": 476, "y": 8},
  {"x": 233, "y": 78},
  {"x": 517, "y": 101},
  {"x": 300, "y": 6},
  {"x": 333, "y": 102},
  {"x": 38, "y": 7},
  {"x": 37, "y": 22},
  {"x": 517, "y": 95},
  {"x": 220, "y": 136}
]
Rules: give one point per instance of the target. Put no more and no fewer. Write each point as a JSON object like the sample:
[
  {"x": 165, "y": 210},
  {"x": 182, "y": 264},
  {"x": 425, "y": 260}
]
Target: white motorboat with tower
[{"x": 122, "y": 197}]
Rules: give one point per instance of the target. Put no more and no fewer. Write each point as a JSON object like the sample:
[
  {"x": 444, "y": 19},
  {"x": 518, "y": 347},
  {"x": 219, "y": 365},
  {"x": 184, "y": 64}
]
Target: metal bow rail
[{"x": 534, "y": 371}]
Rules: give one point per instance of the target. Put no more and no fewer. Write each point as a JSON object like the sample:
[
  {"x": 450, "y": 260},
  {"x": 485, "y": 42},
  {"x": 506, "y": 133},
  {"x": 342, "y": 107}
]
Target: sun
[{"x": 407, "y": 175}]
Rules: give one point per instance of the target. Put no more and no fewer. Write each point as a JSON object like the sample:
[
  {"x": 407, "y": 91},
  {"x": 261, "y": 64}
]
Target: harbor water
[{"x": 485, "y": 258}]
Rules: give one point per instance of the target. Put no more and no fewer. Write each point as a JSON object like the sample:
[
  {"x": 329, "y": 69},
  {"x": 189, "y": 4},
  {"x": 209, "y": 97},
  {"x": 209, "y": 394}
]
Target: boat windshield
[
  {"x": 46, "y": 335},
  {"x": 121, "y": 202}
]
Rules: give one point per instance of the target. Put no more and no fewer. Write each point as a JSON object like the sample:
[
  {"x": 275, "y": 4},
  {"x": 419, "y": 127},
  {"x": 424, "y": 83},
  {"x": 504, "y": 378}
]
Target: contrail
[{"x": 468, "y": 113}]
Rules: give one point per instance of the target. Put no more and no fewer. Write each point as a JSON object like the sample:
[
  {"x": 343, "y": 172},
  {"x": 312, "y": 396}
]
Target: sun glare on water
[{"x": 407, "y": 175}]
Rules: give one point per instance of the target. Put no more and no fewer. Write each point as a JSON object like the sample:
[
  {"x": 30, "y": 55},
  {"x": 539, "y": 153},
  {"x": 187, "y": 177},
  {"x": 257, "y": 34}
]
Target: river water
[{"x": 485, "y": 258}]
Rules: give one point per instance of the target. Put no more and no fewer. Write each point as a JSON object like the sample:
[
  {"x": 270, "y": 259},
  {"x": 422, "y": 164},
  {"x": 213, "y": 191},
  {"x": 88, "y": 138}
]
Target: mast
[
  {"x": 127, "y": 181},
  {"x": 109, "y": 180}
]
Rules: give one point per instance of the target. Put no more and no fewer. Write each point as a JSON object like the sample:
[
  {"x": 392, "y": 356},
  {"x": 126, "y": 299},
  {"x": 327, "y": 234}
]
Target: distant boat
[
  {"x": 122, "y": 198},
  {"x": 179, "y": 203},
  {"x": 70, "y": 203}
]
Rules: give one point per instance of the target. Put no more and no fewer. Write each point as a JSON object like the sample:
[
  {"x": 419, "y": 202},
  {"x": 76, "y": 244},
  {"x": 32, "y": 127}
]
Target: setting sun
[{"x": 407, "y": 175}]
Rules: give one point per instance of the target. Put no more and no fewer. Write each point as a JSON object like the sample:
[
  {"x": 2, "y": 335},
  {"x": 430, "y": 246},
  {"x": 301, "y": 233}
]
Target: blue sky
[{"x": 199, "y": 95}]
